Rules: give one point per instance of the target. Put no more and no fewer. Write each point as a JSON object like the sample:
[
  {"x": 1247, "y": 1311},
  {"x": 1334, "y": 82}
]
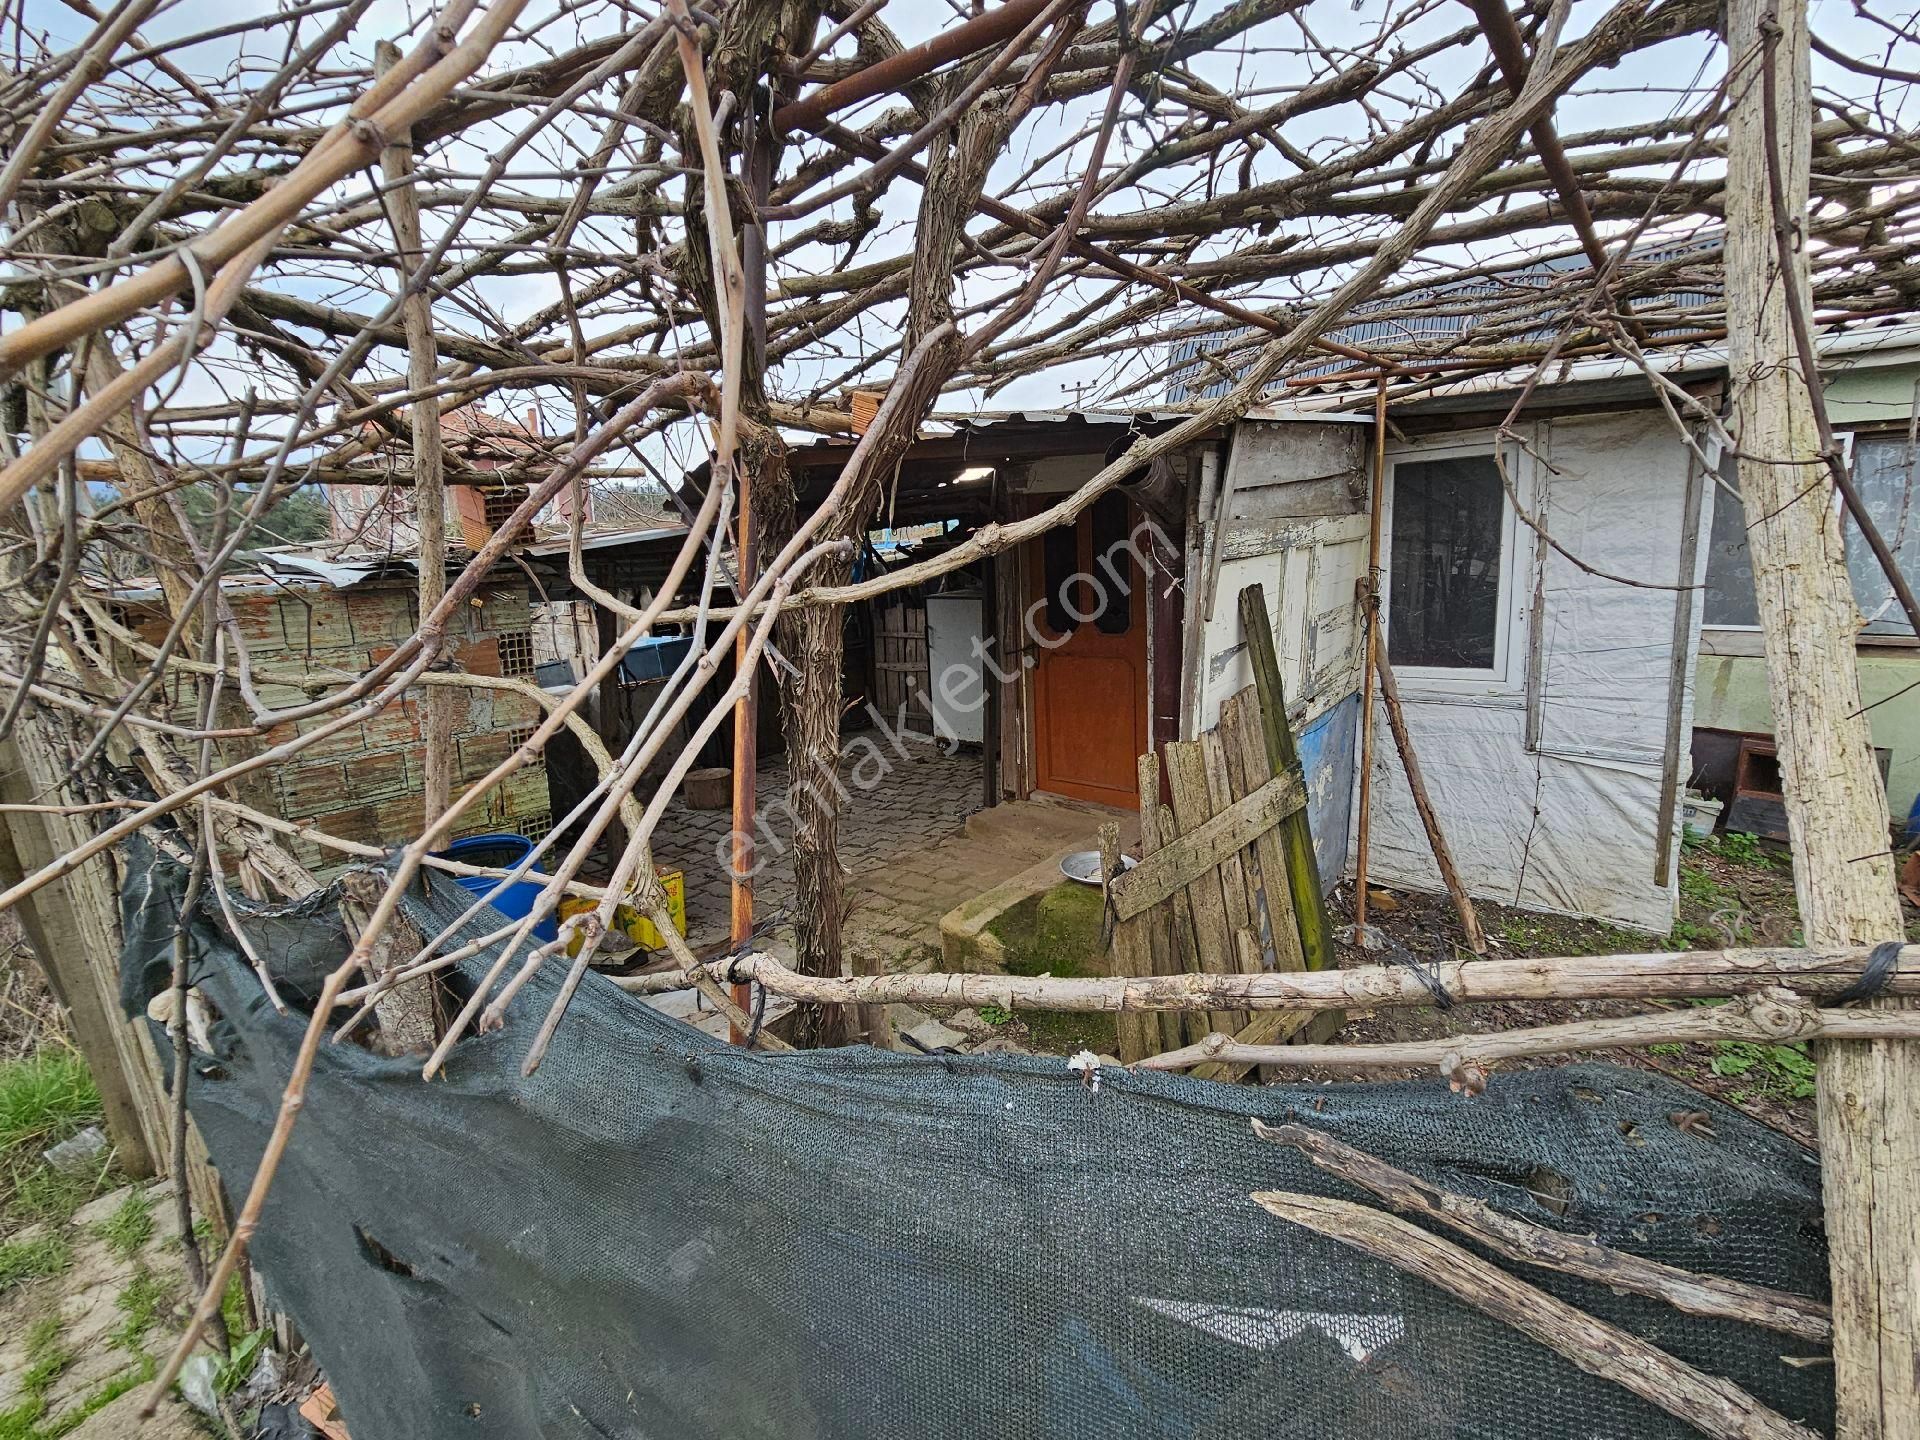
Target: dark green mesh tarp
[{"x": 657, "y": 1235}]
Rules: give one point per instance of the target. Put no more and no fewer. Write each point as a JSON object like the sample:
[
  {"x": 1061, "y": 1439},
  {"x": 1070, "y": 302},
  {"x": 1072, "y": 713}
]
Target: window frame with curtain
[{"x": 1504, "y": 674}]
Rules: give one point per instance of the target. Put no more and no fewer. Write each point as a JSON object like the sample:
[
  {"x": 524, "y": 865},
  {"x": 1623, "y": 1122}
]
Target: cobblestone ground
[
  {"x": 924, "y": 797},
  {"x": 78, "y": 1343}
]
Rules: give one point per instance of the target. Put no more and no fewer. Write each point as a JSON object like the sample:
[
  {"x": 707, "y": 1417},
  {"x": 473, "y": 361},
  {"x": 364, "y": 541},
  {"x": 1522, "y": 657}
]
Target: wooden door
[{"x": 1088, "y": 622}]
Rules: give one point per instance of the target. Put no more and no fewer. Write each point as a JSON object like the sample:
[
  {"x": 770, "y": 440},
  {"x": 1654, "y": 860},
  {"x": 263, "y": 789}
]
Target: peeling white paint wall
[{"x": 1296, "y": 524}]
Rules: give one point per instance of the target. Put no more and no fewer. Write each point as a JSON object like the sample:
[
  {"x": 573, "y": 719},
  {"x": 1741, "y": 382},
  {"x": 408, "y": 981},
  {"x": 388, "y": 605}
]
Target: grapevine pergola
[{"x": 251, "y": 255}]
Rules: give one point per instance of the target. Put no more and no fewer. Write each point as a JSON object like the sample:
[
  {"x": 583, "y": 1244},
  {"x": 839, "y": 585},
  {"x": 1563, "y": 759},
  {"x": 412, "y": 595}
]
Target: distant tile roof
[{"x": 475, "y": 435}]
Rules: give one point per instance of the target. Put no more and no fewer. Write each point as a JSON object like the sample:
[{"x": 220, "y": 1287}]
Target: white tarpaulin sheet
[{"x": 1547, "y": 779}]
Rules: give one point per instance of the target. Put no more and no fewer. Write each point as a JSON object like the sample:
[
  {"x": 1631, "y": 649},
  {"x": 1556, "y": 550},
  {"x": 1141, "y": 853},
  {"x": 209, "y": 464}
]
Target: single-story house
[
  {"x": 1552, "y": 704},
  {"x": 302, "y": 609}
]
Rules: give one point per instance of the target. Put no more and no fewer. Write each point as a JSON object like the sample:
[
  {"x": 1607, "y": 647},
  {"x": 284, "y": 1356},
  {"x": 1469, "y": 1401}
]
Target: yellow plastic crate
[
  {"x": 642, "y": 931},
  {"x": 629, "y": 921}
]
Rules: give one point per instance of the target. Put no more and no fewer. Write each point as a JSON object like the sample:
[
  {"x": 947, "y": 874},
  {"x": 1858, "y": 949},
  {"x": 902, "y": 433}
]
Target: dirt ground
[{"x": 1735, "y": 890}]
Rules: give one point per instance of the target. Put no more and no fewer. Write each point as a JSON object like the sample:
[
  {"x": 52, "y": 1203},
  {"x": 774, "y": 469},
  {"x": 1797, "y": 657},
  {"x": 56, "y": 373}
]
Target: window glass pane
[
  {"x": 1888, "y": 479},
  {"x": 1883, "y": 472},
  {"x": 1444, "y": 597},
  {"x": 1729, "y": 598},
  {"x": 1109, "y": 522},
  {"x": 1060, "y": 566}
]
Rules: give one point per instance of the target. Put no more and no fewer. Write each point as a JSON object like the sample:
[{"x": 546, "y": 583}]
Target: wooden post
[
  {"x": 429, "y": 461},
  {"x": 1423, "y": 803},
  {"x": 1686, "y": 612},
  {"x": 1869, "y": 1092},
  {"x": 1370, "y": 601},
  {"x": 1296, "y": 837},
  {"x": 74, "y": 927}
]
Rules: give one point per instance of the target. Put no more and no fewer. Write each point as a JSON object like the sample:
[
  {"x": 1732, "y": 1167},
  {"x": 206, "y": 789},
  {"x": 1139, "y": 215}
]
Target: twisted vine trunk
[{"x": 814, "y": 638}]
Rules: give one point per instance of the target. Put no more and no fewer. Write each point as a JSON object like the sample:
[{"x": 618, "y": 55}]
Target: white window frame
[{"x": 1507, "y": 676}]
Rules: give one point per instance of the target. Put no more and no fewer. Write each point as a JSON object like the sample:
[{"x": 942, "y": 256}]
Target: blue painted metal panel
[{"x": 1327, "y": 758}]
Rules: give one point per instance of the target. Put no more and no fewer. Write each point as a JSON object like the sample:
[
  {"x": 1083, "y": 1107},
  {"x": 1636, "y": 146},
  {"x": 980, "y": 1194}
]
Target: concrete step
[{"x": 1039, "y": 828}]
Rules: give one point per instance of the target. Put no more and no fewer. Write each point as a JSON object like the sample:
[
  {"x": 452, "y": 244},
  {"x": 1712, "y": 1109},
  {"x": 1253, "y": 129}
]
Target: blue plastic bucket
[{"x": 501, "y": 852}]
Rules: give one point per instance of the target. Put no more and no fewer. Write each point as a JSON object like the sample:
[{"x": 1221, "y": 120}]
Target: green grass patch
[
  {"x": 1701, "y": 888},
  {"x": 46, "y": 1358},
  {"x": 25, "y": 1260},
  {"x": 44, "y": 1099},
  {"x": 1563, "y": 935},
  {"x": 127, "y": 1231},
  {"x": 110, "y": 1390},
  {"x": 41, "y": 1192},
  {"x": 142, "y": 1303}
]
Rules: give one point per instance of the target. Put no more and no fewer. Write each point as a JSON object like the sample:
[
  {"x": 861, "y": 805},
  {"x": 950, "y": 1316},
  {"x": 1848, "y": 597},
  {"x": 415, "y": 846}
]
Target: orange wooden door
[{"x": 1089, "y": 637}]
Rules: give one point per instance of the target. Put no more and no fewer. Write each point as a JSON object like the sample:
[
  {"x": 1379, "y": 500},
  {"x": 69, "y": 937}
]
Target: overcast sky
[{"x": 1266, "y": 63}]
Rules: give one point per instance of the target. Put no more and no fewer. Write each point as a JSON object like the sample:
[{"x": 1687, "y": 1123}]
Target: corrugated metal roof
[
  {"x": 1474, "y": 296},
  {"x": 986, "y": 419},
  {"x": 607, "y": 539}
]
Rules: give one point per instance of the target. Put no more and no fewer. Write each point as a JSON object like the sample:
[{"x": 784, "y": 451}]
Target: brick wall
[{"x": 365, "y": 782}]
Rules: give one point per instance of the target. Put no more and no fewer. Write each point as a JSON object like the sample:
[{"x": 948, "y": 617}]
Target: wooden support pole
[
  {"x": 1869, "y": 1092},
  {"x": 74, "y": 928},
  {"x": 429, "y": 458},
  {"x": 1686, "y": 612},
  {"x": 1422, "y": 802},
  {"x": 1466, "y": 1059},
  {"x": 1658, "y": 975},
  {"x": 1370, "y": 617},
  {"x": 1296, "y": 835},
  {"x": 1710, "y": 1404},
  {"x": 745, "y": 754},
  {"x": 1687, "y": 1291},
  {"x": 761, "y": 152}
]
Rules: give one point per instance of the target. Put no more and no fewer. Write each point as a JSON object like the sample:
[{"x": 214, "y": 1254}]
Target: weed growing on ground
[
  {"x": 241, "y": 1358},
  {"x": 142, "y": 1303},
  {"x": 1785, "y": 1071},
  {"x": 44, "y": 1098},
  {"x": 127, "y": 1231},
  {"x": 28, "y": 1420},
  {"x": 46, "y": 1358},
  {"x": 1701, "y": 888},
  {"x": 109, "y": 1391},
  {"x": 24, "y": 1260},
  {"x": 1743, "y": 849}
]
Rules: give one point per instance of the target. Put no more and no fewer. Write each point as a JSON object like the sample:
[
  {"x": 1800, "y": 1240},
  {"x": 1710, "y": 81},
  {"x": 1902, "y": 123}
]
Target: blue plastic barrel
[{"x": 501, "y": 852}]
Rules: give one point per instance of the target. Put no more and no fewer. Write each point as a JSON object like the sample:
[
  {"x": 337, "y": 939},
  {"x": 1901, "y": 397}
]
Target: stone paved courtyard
[
  {"x": 924, "y": 797},
  {"x": 910, "y": 849}
]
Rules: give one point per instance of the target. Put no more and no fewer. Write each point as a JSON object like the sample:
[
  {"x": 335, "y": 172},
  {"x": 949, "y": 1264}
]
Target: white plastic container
[{"x": 1699, "y": 814}]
